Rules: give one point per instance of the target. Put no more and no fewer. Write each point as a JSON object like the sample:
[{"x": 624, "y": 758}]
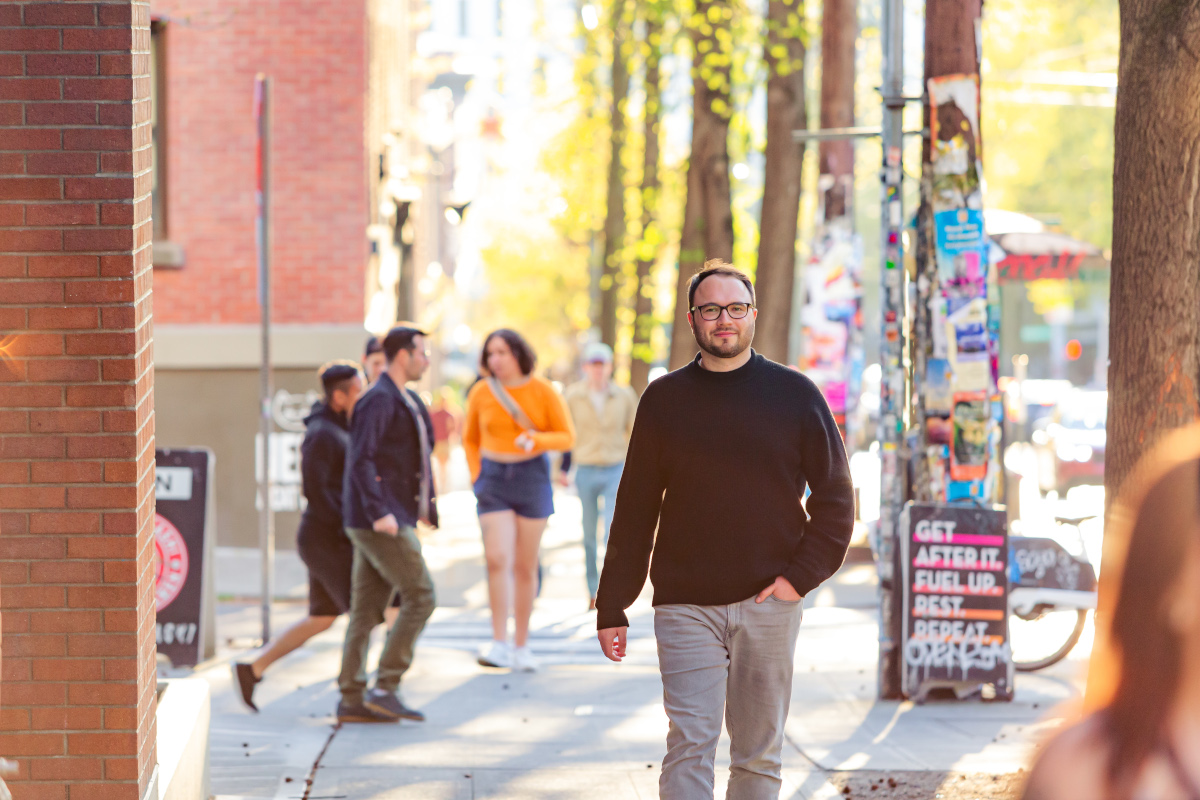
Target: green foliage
[
  {"x": 561, "y": 259},
  {"x": 1048, "y": 145},
  {"x": 537, "y": 284},
  {"x": 571, "y": 163}
]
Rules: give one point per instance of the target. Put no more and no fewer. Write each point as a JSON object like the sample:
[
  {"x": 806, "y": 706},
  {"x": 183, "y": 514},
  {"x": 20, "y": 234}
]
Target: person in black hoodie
[{"x": 321, "y": 541}]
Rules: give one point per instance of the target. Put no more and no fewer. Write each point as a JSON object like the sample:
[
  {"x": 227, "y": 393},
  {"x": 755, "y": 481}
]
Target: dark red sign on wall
[{"x": 181, "y": 489}]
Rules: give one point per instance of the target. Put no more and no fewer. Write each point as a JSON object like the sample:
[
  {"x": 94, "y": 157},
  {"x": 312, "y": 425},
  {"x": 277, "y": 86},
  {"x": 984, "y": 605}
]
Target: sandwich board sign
[
  {"x": 183, "y": 542},
  {"x": 954, "y": 562}
]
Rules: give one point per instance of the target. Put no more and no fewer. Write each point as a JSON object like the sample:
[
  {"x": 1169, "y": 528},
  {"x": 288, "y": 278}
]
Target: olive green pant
[{"x": 382, "y": 565}]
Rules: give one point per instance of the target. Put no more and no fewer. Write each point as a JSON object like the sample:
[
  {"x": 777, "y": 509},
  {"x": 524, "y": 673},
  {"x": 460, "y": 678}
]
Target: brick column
[{"x": 77, "y": 692}]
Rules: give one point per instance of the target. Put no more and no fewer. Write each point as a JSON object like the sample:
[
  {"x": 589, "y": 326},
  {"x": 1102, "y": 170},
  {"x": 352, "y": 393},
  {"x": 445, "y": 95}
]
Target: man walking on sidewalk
[
  {"x": 321, "y": 540},
  {"x": 721, "y": 453},
  {"x": 603, "y": 415},
  {"x": 388, "y": 489}
]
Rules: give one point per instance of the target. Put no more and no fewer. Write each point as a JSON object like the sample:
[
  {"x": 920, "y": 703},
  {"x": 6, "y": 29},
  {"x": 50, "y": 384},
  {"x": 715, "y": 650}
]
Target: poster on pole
[
  {"x": 183, "y": 541},
  {"x": 955, "y": 606},
  {"x": 971, "y": 424}
]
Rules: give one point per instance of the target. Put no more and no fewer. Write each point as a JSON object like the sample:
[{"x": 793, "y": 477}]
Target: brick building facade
[
  {"x": 340, "y": 94},
  {"x": 87, "y": 91},
  {"x": 77, "y": 677},
  {"x": 209, "y": 53}
]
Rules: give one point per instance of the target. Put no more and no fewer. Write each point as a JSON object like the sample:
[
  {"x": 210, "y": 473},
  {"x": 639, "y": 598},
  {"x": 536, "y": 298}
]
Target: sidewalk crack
[{"x": 312, "y": 772}]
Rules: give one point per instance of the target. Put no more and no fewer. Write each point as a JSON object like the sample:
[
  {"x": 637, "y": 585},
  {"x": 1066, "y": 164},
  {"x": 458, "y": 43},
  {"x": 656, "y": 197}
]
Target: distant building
[{"x": 343, "y": 216}]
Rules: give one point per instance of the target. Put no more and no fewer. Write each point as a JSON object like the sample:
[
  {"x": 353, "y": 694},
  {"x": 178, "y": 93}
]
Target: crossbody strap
[{"x": 510, "y": 405}]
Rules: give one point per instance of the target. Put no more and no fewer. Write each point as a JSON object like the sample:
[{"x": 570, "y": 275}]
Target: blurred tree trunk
[
  {"x": 707, "y": 212},
  {"x": 783, "y": 53},
  {"x": 839, "y": 31},
  {"x": 1154, "y": 340},
  {"x": 614, "y": 221},
  {"x": 643, "y": 327}
]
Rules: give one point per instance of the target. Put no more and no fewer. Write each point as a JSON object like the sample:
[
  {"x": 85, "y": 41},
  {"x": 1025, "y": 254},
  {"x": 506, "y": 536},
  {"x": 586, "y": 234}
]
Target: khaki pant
[
  {"x": 735, "y": 662},
  {"x": 383, "y": 564}
]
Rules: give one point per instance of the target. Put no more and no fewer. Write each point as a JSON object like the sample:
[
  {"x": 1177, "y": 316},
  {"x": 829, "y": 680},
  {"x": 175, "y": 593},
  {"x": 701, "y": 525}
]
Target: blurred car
[{"x": 1070, "y": 442}]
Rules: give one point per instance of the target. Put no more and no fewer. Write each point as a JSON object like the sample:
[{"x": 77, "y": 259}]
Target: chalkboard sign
[
  {"x": 182, "y": 546},
  {"x": 1045, "y": 564},
  {"x": 955, "y": 564}
]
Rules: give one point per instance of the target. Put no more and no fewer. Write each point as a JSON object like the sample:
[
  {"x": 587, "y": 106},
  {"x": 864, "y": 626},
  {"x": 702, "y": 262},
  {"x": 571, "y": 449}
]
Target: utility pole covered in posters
[
  {"x": 956, "y": 333},
  {"x": 951, "y": 452},
  {"x": 831, "y": 318}
]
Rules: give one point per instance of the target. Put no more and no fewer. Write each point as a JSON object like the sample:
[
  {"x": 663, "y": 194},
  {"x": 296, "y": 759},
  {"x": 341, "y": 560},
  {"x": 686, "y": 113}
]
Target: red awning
[{"x": 1033, "y": 253}]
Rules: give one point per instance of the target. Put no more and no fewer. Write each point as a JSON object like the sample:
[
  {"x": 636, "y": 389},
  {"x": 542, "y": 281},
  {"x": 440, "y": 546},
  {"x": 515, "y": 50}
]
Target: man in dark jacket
[
  {"x": 388, "y": 489},
  {"x": 321, "y": 542}
]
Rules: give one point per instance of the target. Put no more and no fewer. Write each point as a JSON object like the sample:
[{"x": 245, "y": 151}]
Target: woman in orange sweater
[{"x": 513, "y": 418}]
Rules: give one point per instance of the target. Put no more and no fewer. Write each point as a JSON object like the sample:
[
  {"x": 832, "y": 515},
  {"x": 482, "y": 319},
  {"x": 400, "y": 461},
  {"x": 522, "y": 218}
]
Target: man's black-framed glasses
[{"x": 711, "y": 311}]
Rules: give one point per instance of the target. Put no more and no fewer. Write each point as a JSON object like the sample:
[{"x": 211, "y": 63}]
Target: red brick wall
[
  {"x": 77, "y": 678},
  {"x": 316, "y": 52}
]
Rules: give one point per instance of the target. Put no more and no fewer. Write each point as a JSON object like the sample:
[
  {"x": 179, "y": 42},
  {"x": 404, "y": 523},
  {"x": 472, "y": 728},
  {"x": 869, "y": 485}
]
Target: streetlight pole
[
  {"x": 266, "y": 515},
  {"x": 893, "y": 384}
]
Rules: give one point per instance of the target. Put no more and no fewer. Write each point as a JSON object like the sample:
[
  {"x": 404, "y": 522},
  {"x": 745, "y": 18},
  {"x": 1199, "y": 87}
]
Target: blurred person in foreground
[
  {"x": 721, "y": 454},
  {"x": 374, "y": 361},
  {"x": 445, "y": 426},
  {"x": 513, "y": 418},
  {"x": 1140, "y": 739},
  {"x": 320, "y": 540},
  {"x": 388, "y": 490},
  {"x": 602, "y": 413}
]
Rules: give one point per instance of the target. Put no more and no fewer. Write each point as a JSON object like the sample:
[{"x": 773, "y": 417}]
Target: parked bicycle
[{"x": 1051, "y": 592}]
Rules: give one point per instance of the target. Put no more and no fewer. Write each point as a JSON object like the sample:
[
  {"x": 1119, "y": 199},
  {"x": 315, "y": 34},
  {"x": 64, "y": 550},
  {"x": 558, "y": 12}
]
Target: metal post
[
  {"x": 266, "y": 516},
  {"x": 892, "y": 387}
]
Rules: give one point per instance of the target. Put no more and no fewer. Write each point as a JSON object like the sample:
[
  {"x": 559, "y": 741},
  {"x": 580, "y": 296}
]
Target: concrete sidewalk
[{"x": 586, "y": 728}]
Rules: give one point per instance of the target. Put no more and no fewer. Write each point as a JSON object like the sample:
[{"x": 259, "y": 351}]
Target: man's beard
[{"x": 724, "y": 348}]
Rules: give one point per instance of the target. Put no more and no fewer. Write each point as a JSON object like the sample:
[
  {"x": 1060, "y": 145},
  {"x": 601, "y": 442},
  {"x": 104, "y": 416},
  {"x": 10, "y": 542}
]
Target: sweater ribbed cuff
[
  {"x": 801, "y": 580},
  {"x": 611, "y": 618}
]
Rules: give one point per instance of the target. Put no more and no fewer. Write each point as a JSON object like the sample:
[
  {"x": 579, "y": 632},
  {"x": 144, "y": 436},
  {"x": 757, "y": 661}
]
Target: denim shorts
[{"x": 523, "y": 488}]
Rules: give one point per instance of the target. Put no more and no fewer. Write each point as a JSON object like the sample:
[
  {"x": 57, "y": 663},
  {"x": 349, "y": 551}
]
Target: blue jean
[{"x": 595, "y": 482}]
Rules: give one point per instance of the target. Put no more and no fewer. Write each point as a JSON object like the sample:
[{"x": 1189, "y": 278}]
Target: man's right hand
[
  {"x": 387, "y": 525},
  {"x": 612, "y": 642}
]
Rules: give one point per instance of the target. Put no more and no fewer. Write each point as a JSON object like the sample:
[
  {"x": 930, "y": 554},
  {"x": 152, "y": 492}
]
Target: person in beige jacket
[{"x": 603, "y": 415}]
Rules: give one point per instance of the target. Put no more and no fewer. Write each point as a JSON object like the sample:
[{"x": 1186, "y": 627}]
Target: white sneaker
[
  {"x": 524, "y": 661},
  {"x": 497, "y": 654}
]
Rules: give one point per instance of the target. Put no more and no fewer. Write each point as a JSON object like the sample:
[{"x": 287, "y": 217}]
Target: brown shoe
[
  {"x": 361, "y": 713},
  {"x": 243, "y": 676}
]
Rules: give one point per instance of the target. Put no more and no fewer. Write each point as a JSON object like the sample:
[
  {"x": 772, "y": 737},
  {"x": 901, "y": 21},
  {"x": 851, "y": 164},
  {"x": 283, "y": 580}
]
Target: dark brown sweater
[{"x": 718, "y": 463}]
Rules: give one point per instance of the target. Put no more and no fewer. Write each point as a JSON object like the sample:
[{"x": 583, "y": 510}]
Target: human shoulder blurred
[
  {"x": 1074, "y": 764},
  {"x": 1142, "y": 738}
]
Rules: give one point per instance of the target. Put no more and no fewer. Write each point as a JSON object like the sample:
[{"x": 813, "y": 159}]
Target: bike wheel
[{"x": 1044, "y": 637}]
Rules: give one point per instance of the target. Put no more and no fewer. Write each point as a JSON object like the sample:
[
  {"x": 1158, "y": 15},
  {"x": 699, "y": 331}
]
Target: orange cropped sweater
[{"x": 489, "y": 427}]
